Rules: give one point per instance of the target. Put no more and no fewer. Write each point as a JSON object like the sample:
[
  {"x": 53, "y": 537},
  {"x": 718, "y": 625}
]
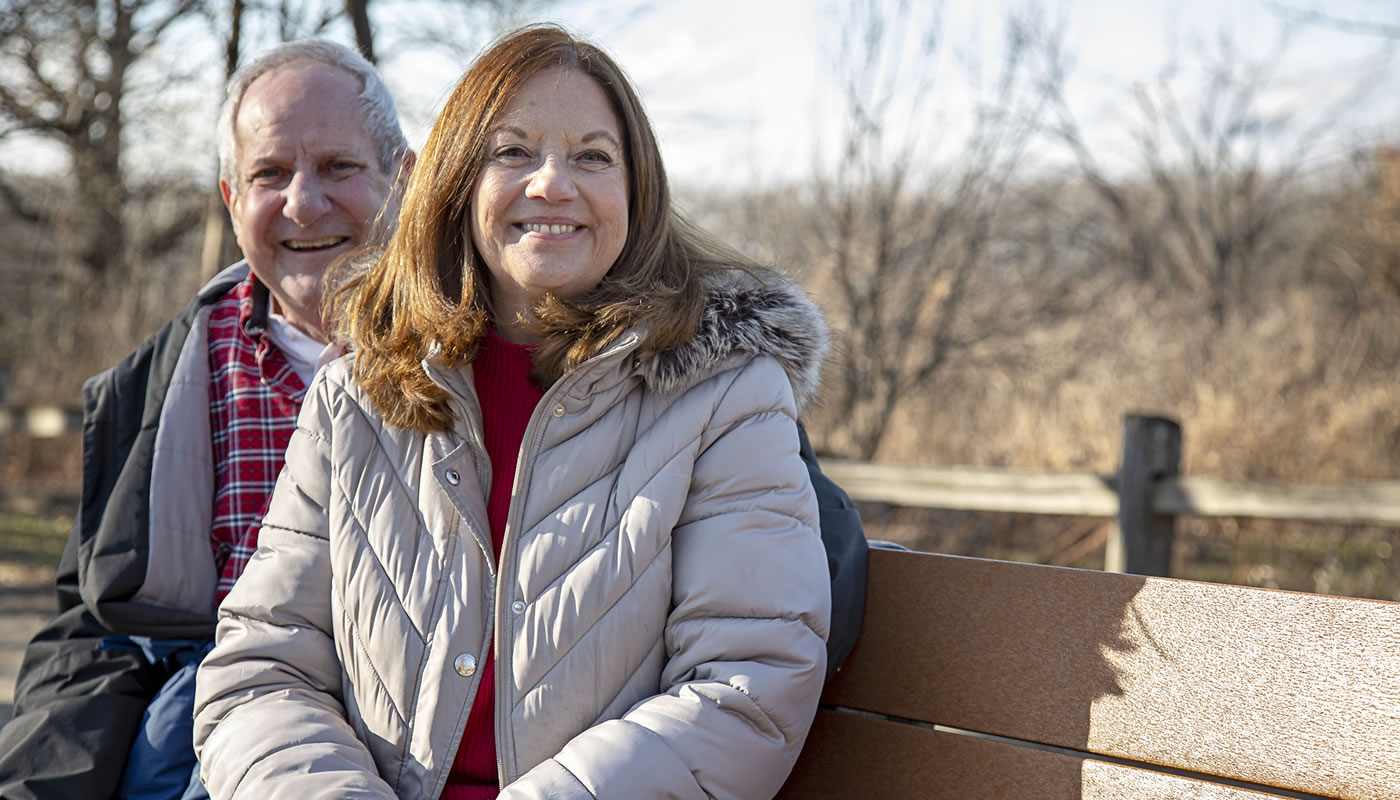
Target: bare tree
[
  {"x": 358, "y": 12},
  {"x": 1362, "y": 245},
  {"x": 1380, "y": 228},
  {"x": 219, "y": 247},
  {"x": 67, "y": 65},
  {"x": 1345, "y": 24},
  {"x": 459, "y": 28},
  {"x": 904, "y": 229},
  {"x": 1216, "y": 182}
]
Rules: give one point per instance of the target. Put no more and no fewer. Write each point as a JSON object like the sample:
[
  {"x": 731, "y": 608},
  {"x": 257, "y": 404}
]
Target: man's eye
[{"x": 267, "y": 174}]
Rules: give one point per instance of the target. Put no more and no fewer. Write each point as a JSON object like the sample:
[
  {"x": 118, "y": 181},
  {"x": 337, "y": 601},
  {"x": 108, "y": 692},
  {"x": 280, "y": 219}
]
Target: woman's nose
[{"x": 552, "y": 181}]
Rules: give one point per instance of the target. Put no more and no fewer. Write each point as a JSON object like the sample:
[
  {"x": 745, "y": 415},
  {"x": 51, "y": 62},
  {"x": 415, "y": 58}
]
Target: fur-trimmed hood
[{"x": 754, "y": 312}]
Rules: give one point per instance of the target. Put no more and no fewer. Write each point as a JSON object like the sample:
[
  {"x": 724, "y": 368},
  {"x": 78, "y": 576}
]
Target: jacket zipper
[
  {"x": 476, "y": 441},
  {"x": 527, "y": 445}
]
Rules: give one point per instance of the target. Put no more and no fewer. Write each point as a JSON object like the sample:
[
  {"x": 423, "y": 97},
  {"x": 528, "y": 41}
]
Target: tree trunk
[
  {"x": 358, "y": 11},
  {"x": 219, "y": 248}
]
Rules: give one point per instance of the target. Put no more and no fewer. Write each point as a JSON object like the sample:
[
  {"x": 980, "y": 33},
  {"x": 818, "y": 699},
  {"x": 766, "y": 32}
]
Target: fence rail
[
  {"x": 972, "y": 489},
  {"x": 1031, "y": 492},
  {"x": 1375, "y": 502}
]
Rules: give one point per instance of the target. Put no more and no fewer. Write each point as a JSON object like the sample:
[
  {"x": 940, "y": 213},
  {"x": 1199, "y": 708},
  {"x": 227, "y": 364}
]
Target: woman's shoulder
[{"x": 336, "y": 378}]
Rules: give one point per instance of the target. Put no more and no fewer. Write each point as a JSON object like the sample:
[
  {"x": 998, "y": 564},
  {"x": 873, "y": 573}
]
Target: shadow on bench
[{"x": 978, "y": 679}]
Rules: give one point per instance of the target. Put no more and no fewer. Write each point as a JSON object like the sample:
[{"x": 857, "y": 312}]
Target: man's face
[{"x": 307, "y": 182}]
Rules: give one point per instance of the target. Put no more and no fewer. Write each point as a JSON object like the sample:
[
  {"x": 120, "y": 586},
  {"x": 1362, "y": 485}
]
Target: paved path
[{"x": 26, "y": 603}]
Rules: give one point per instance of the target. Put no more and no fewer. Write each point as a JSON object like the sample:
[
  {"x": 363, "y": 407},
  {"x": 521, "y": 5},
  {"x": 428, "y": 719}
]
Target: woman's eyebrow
[
  {"x": 601, "y": 134},
  {"x": 512, "y": 130},
  {"x": 586, "y": 138}
]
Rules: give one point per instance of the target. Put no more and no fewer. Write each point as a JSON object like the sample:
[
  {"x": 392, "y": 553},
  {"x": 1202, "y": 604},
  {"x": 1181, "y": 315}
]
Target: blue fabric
[
  {"x": 179, "y": 651},
  {"x": 196, "y": 790},
  {"x": 162, "y": 765}
]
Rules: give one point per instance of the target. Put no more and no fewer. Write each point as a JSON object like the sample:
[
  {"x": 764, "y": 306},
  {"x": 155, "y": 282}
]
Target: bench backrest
[{"x": 981, "y": 679}]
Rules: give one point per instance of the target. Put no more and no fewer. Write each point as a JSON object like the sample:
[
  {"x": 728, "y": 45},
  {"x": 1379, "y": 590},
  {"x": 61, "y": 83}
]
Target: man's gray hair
[{"x": 381, "y": 118}]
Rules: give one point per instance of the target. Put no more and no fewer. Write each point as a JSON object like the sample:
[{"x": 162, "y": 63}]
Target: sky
[{"x": 743, "y": 92}]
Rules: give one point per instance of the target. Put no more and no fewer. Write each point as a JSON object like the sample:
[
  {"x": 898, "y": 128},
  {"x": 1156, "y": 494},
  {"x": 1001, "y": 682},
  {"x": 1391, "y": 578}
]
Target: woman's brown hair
[{"x": 428, "y": 285}]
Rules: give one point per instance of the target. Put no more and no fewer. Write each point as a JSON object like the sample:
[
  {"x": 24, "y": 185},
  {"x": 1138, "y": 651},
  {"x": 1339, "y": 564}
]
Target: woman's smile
[{"x": 548, "y": 229}]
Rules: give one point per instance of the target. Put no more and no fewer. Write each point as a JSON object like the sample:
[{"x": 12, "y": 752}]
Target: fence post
[{"x": 1141, "y": 542}]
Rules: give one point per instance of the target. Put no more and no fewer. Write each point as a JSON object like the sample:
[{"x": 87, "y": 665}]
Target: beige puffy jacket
[{"x": 659, "y": 611}]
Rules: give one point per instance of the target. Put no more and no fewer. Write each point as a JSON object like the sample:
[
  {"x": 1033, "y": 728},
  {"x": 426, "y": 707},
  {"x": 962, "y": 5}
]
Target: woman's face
[{"x": 549, "y": 211}]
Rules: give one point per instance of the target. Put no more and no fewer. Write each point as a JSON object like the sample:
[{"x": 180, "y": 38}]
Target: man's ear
[{"x": 226, "y": 192}]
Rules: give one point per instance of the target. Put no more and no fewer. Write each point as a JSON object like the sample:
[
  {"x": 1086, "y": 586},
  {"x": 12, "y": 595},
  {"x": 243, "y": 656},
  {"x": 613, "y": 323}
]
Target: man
[{"x": 183, "y": 439}]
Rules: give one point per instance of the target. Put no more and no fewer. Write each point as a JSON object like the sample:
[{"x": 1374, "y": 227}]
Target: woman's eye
[
  {"x": 512, "y": 153},
  {"x": 595, "y": 158}
]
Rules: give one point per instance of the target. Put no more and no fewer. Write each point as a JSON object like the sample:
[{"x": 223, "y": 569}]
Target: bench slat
[
  {"x": 892, "y": 760},
  {"x": 1282, "y": 689}
]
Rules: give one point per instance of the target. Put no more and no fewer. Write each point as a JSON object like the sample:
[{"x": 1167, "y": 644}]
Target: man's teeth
[
  {"x": 553, "y": 229},
  {"x": 314, "y": 244}
]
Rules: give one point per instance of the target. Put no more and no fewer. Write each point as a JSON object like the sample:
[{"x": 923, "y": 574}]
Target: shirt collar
[{"x": 253, "y": 316}]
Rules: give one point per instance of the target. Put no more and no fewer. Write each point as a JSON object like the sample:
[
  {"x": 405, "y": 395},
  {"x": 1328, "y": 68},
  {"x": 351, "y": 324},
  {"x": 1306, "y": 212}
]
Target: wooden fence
[{"x": 1144, "y": 497}]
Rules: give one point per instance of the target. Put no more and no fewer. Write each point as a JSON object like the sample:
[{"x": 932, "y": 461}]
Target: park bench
[{"x": 977, "y": 679}]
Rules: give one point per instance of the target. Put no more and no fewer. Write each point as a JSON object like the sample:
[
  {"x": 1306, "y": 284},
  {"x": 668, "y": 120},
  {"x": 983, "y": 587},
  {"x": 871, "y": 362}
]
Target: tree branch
[
  {"x": 1309, "y": 16},
  {"x": 17, "y": 203}
]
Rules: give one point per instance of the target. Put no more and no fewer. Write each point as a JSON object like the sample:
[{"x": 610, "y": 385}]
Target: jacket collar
[{"x": 256, "y": 323}]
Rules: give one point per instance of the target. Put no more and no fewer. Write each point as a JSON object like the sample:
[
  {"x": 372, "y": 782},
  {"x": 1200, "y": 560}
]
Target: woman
[{"x": 547, "y": 532}]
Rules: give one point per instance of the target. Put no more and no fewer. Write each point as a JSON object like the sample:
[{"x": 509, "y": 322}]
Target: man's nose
[
  {"x": 552, "y": 181},
  {"x": 305, "y": 199}
]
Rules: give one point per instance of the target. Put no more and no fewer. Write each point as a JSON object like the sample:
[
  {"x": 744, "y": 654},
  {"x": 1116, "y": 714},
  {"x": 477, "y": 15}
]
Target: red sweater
[{"x": 502, "y": 373}]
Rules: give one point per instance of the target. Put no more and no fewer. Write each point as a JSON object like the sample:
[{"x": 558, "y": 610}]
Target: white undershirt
[{"x": 302, "y": 351}]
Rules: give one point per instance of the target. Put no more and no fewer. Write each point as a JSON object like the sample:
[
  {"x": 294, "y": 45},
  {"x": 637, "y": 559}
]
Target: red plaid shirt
[{"x": 254, "y": 397}]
